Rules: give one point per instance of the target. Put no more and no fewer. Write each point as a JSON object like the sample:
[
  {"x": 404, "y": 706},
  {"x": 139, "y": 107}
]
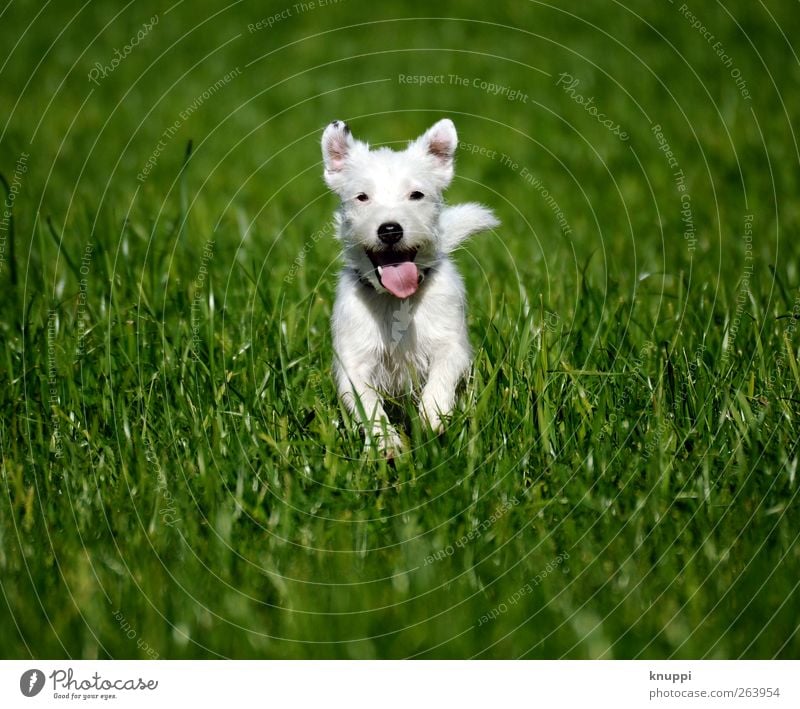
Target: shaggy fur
[{"x": 399, "y": 319}]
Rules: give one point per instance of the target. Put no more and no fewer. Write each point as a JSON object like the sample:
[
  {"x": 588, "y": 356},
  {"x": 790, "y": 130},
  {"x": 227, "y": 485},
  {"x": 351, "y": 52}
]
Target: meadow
[{"x": 178, "y": 477}]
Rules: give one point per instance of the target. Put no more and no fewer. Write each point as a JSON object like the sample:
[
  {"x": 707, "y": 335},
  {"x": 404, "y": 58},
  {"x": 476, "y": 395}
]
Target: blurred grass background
[{"x": 178, "y": 479}]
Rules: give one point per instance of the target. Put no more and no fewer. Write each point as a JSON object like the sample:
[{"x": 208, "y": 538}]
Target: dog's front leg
[
  {"x": 361, "y": 399},
  {"x": 447, "y": 368}
]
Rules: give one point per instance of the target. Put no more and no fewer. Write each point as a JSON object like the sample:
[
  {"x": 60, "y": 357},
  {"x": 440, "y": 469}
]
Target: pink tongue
[{"x": 400, "y": 280}]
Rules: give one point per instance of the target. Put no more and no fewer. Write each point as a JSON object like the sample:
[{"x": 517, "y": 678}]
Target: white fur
[{"x": 385, "y": 345}]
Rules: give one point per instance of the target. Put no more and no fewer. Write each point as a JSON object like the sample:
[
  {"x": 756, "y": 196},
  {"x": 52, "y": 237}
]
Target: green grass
[{"x": 178, "y": 479}]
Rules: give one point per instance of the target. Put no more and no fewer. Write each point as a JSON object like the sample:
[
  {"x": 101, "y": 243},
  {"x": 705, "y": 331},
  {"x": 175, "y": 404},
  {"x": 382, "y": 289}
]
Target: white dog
[{"x": 399, "y": 317}]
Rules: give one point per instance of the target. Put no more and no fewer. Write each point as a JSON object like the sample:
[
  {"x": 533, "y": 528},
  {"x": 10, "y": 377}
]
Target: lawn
[{"x": 620, "y": 479}]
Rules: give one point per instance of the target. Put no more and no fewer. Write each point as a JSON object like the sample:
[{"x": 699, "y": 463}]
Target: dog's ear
[
  {"x": 337, "y": 143},
  {"x": 440, "y": 142}
]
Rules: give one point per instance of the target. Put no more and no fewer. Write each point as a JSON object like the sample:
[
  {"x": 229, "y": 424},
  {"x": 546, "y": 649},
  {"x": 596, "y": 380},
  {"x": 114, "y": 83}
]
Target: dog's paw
[
  {"x": 433, "y": 414},
  {"x": 387, "y": 442},
  {"x": 433, "y": 420}
]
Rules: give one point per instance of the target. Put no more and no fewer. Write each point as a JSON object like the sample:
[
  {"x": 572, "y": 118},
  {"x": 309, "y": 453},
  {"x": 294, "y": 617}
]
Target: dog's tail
[{"x": 463, "y": 220}]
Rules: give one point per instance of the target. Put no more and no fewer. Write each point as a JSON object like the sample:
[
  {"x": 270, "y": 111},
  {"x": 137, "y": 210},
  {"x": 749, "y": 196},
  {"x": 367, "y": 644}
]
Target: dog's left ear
[
  {"x": 337, "y": 143},
  {"x": 440, "y": 142}
]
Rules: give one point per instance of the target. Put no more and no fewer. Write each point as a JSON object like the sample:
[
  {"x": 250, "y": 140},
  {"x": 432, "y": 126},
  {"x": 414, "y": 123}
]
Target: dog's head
[{"x": 391, "y": 202}]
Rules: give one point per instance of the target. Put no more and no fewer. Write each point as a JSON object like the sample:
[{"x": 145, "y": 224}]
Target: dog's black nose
[{"x": 390, "y": 232}]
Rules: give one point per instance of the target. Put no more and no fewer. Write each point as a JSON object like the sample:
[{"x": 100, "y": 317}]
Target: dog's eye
[
  {"x": 362, "y": 197},
  {"x": 415, "y": 195}
]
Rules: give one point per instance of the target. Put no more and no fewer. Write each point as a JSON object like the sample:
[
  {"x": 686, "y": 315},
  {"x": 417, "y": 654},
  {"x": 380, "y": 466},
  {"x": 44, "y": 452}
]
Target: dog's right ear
[
  {"x": 337, "y": 143},
  {"x": 439, "y": 144}
]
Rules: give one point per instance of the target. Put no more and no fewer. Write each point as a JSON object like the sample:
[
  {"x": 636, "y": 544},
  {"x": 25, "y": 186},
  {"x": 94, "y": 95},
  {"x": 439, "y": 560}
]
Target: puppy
[{"x": 399, "y": 321}]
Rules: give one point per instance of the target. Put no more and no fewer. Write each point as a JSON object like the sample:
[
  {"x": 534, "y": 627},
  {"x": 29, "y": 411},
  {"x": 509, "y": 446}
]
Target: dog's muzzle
[{"x": 396, "y": 270}]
